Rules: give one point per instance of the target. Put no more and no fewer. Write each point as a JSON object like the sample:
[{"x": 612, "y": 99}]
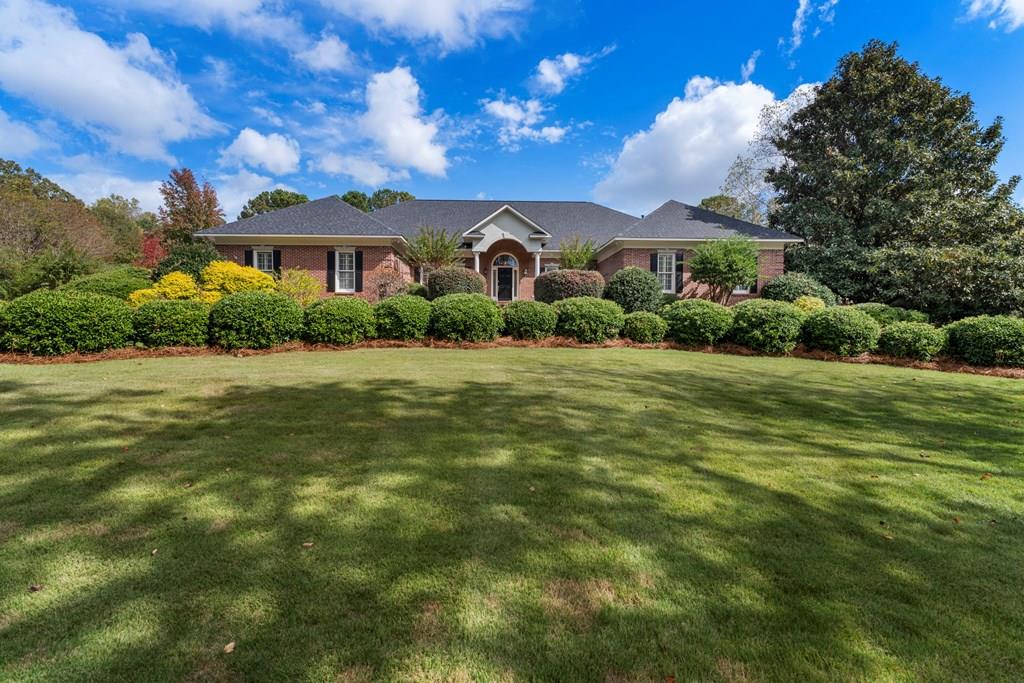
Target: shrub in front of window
[
  {"x": 341, "y": 320},
  {"x": 187, "y": 258},
  {"x": 767, "y": 326},
  {"x": 724, "y": 265},
  {"x": 227, "y": 277},
  {"x": 51, "y": 323},
  {"x": 842, "y": 330},
  {"x": 588, "y": 319},
  {"x": 299, "y": 285},
  {"x": 567, "y": 284},
  {"x": 644, "y": 327},
  {"x": 172, "y": 323},
  {"x": 455, "y": 280},
  {"x": 919, "y": 341},
  {"x": 416, "y": 289},
  {"x": 792, "y": 286},
  {"x": 987, "y": 340},
  {"x": 465, "y": 317},
  {"x": 809, "y": 304},
  {"x": 635, "y": 289},
  {"x": 887, "y": 315},
  {"x": 382, "y": 283},
  {"x": 530, "y": 320},
  {"x": 697, "y": 322},
  {"x": 255, "y": 320},
  {"x": 117, "y": 282},
  {"x": 404, "y": 317}
]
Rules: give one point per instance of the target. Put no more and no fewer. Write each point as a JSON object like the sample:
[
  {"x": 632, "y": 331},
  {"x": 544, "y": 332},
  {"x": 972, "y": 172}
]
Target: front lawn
[{"x": 509, "y": 515}]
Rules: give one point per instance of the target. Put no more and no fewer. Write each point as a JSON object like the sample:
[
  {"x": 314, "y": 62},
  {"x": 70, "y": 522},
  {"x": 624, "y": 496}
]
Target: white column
[
  {"x": 476, "y": 261},
  {"x": 536, "y": 263}
]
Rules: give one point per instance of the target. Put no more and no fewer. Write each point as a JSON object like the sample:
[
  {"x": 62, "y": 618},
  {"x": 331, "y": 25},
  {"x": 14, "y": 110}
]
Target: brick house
[{"x": 509, "y": 243}]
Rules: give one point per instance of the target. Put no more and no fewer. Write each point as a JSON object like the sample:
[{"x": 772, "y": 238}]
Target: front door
[{"x": 505, "y": 284}]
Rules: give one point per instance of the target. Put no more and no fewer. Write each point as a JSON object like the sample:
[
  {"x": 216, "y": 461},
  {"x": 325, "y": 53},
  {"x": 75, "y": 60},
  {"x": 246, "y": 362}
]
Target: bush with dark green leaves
[
  {"x": 465, "y": 317},
  {"x": 166, "y": 322},
  {"x": 530, "y": 320},
  {"x": 635, "y": 289},
  {"x": 919, "y": 341},
  {"x": 3, "y": 326},
  {"x": 644, "y": 327},
  {"x": 404, "y": 317},
  {"x": 454, "y": 280},
  {"x": 887, "y": 315},
  {"x": 118, "y": 282},
  {"x": 188, "y": 258},
  {"x": 255, "y": 320},
  {"x": 339, "y": 320},
  {"x": 842, "y": 330},
  {"x": 556, "y": 285},
  {"x": 416, "y": 289},
  {"x": 791, "y": 286},
  {"x": 697, "y": 322},
  {"x": 987, "y": 340},
  {"x": 52, "y": 323},
  {"x": 767, "y": 326},
  {"x": 588, "y": 319}
]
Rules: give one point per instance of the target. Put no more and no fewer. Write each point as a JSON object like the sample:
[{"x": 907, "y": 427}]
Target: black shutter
[
  {"x": 331, "y": 276},
  {"x": 248, "y": 257},
  {"x": 359, "y": 270},
  {"x": 277, "y": 261},
  {"x": 654, "y": 263},
  {"x": 679, "y": 272}
]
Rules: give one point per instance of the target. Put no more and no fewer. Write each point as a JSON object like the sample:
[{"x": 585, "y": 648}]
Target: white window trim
[
  {"x": 672, "y": 271},
  {"x": 338, "y": 289},
  {"x": 550, "y": 267},
  {"x": 741, "y": 289},
  {"x": 256, "y": 259}
]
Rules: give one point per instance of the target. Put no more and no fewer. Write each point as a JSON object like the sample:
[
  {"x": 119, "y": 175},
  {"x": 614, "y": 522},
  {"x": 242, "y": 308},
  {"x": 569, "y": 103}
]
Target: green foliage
[
  {"x": 887, "y": 315},
  {"x": 919, "y": 341},
  {"x": 576, "y": 253},
  {"x": 30, "y": 182},
  {"x": 635, "y": 289},
  {"x": 125, "y": 221},
  {"x": 53, "y": 323},
  {"x": 117, "y": 282},
  {"x": 386, "y": 197},
  {"x": 432, "y": 248},
  {"x": 556, "y": 285},
  {"x": 589, "y": 319},
  {"x": 809, "y": 304},
  {"x": 357, "y": 199},
  {"x": 465, "y": 317},
  {"x": 405, "y": 317},
  {"x": 172, "y": 323},
  {"x": 47, "y": 269},
  {"x": 271, "y": 200},
  {"x": 530, "y": 320},
  {"x": 187, "y": 258},
  {"x": 766, "y": 325},
  {"x": 455, "y": 280},
  {"x": 697, "y": 322},
  {"x": 255, "y": 320},
  {"x": 188, "y": 206},
  {"x": 644, "y": 327},
  {"x": 339, "y": 320},
  {"x": 725, "y": 205},
  {"x": 724, "y": 265},
  {"x": 299, "y": 285},
  {"x": 791, "y": 286},
  {"x": 987, "y": 340},
  {"x": 417, "y": 289},
  {"x": 842, "y": 330}
]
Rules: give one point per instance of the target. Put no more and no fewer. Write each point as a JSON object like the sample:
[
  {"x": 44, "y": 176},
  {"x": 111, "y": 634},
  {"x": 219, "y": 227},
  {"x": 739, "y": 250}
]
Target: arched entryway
[{"x": 505, "y": 277}]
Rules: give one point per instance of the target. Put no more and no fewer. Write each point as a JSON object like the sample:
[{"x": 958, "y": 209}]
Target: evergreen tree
[{"x": 265, "y": 202}]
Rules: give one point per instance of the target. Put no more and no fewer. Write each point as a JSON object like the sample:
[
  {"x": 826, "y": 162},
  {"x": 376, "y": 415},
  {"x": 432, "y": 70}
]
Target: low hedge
[
  {"x": 530, "y": 320},
  {"x": 644, "y": 327},
  {"x": 404, "y": 317},
  {"x": 635, "y": 289},
  {"x": 416, "y": 289},
  {"x": 987, "y": 340},
  {"x": 589, "y": 319},
  {"x": 766, "y": 325},
  {"x": 919, "y": 341},
  {"x": 454, "y": 280},
  {"x": 339, "y": 320},
  {"x": 117, "y": 282},
  {"x": 172, "y": 323},
  {"x": 255, "y": 320},
  {"x": 791, "y": 286},
  {"x": 49, "y": 323},
  {"x": 556, "y": 285},
  {"x": 465, "y": 317},
  {"x": 885, "y": 314},
  {"x": 842, "y": 330},
  {"x": 697, "y": 322}
]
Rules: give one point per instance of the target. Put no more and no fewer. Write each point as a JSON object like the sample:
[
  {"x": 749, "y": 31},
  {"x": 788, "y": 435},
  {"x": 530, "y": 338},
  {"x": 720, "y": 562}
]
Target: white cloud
[
  {"x": 519, "y": 120},
  {"x": 234, "y": 190},
  {"x": 553, "y": 74},
  {"x": 748, "y": 67},
  {"x": 276, "y": 153},
  {"x": 47, "y": 59},
  {"x": 688, "y": 149},
  {"x": 329, "y": 53},
  {"x": 268, "y": 116},
  {"x": 1008, "y": 14},
  {"x": 18, "y": 139},
  {"x": 93, "y": 184},
  {"x": 253, "y": 19},
  {"x": 361, "y": 169},
  {"x": 218, "y": 72},
  {"x": 804, "y": 13}
]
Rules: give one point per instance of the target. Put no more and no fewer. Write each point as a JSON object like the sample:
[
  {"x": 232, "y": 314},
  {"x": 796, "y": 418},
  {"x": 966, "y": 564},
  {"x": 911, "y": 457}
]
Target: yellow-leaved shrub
[
  {"x": 227, "y": 277},
  {"x": 176, "y": 285},
  {"x": 141, "y": 296},
  {"x": 300, "y": 286},
  {"x": 809, "y": 304},
  {"x": 208, "y": 296}
]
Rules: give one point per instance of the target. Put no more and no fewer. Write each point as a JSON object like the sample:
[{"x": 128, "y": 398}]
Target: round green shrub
[
  {"x": 644, "y": 327},
  {"x": 454, "y": 280},
  {"x": 168, "y": 322},
  {"x": 842, "y": 330},
  {"x": 635, "y": 289},
  {"x": 791, "y": 286},
  {"x": 530, "y": 320},
  {"x": 339, "y": 320},
  {"x": 51, "y": 323},
  {"x": 117, "y": 282},
  {"x": 416, "y": 289},
  {"x": 920, "y": 341},
  {"x": 987, "y": 340},
  {"x": 885, "y": 314},
  {"x": 697, "y": 322},
  {"x": 809, "y": 304},
  {"x": 403, "y": 317},
  {"x": 255, "y": 320},
  {"x": 556, "y": 285},
  {"x": 767, "y": 326},
  {"x": 465, "y": 317},
  {"x": 188, "y": 258},
  {"x": 588, "y": 319}
]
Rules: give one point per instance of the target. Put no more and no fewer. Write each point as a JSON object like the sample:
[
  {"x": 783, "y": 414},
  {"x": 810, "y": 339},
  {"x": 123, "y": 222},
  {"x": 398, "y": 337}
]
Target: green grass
[{"x": 509, "y": 515}]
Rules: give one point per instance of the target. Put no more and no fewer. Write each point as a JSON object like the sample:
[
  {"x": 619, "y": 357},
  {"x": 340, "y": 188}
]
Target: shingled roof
[
  {"x": 675, "y": 220},
  {"x": 327, "y": 216}
]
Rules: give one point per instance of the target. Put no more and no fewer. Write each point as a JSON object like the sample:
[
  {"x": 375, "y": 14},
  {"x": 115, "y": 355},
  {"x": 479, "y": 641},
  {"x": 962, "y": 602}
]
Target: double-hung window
[
  {"x": 263, "y": 260},
  {"x": 346, "y": 272},
  {"x": 550, "y": 267},
  {"x": 667, "y": 271},
  {"x": 741, "y": 289}
]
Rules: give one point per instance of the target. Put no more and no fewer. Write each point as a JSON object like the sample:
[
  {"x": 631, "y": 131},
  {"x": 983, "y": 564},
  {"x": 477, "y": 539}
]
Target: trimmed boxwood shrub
[
  {"x": 791, "y": 286},
  {"x": 117, "y": 282},
  {"x": 172, "y": 323},
  {"x": 920, "y": 341},
  {"x": 50, "y": 323},
  {"x": 465, "y": 317},
  {"x": 635, "y": 289},
  {"x": 765, "y": 325},
  {"x": 697, "y": 322},
  {"x": 416, "y": 289},
  {"x": 644, "y": 327},
  {"x": 809, "y": 304},
  {"x": 987, "y": 340},
  {"x": 567, "y": 284},
  {"x": 454, "y": 280},
  {"x": 842, "y": 330},
  {"x": 589, "y": 319},
  {"x": 530, "y": 320},
  {"x": 340, "y": 320},
  {"x": 887, "y": 315},
  {"x": 405, "y": 317},
  {"x": 255, "y": 320}
]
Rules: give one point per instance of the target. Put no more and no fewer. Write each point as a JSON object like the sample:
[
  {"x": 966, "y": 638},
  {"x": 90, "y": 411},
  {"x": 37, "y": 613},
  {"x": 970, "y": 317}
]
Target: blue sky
[{"x": 628, "y": 105}]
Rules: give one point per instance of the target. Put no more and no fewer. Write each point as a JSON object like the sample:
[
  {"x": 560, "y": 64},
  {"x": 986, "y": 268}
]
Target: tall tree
[
  {"x": 125, "y": 222},
  {"x": 29, "y": 181},
  {"x": 723, "y": 204},
  {"x": 272, "y": 200},
  {"x": 357, "y": 199},
  {"x": 188, "y": 206},
  {"x": 386, "y": 197}
]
